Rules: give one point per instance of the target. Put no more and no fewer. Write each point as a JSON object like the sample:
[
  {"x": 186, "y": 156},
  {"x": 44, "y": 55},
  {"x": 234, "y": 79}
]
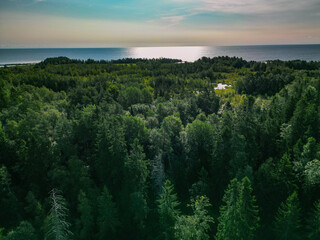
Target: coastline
[
  {"x": 258, "y": 53},
  {"x": 14, "y": 64}
]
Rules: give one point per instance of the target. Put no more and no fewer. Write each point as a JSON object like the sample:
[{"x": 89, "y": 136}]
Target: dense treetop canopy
[{"x": 149, "y": 149}]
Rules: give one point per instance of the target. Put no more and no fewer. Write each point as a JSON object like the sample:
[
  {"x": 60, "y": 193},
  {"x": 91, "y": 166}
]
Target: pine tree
[
  {"x": 167, "y": 208},
  {"x": 58, "y": 226},
  {"x": 227, "y": 229},
  {"x": 107, "y": 216},
  {"x": 239, "y": 215},
  {"x": 314, "y": 222},
  {"x": 287, "y": 222},
  {"x": 249, "y": 211}
]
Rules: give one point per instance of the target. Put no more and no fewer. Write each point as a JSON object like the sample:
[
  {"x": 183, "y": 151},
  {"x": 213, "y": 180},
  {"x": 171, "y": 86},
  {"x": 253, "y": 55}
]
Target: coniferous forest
[{"x": 138, "y": 149}]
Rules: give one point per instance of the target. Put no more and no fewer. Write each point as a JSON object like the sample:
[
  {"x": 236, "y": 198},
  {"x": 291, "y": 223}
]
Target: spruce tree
[
  {"x": 58, "y": 226},
  {"x": 196, "y": 226},
  {"x": 239, "y": 215},
  {"x": 134, "y": 190},
  {"x": 168, "y": 210},
  {"x": 107, "y": 216},
  {"x": 227, "y": 229},
  {"x": 287, "y": 222},
  {"x": 249, "y": 221}
]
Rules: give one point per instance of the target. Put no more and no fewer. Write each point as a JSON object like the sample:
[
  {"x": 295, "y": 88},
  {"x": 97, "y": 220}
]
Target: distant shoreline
[
  {"x": 258, "y": 53},
  {"x": 18, "y": 64}
]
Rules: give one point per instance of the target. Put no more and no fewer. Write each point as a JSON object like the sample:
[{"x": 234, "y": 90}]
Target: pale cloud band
[{"x": 253, "y": 6}]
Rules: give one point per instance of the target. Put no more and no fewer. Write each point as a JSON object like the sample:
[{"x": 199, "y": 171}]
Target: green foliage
[
  {"x": 287, "y": 222},
  {"x": 96, "y": 129},
  {"x": 134, "y": 191},
  {"x": 201, "y": 187},
  {"x": 57, "y": 222},
  {"x": 314, "y": 222},
  {"x": 8, "y": 200},
  {"x": 133, "y": 95},
  {"x": 168, "y": 210},
  {"x": 111, "y": 152},
  {"x": 312, "y": 173},
  {"x": 196, "y": 226},
  {"x": 199, "y": 146},
  {"x": 24, "y": 231},
  {"x": 107, "y": 221},
  {"x": 137, "y": 166},
  {"x": 276, "y": 179},
  {"x": 34, "y": 210},
  {"x": 239, "y": 217},
  {"x": 264, "y": 83},
  {"x": 86, "y": 222}
]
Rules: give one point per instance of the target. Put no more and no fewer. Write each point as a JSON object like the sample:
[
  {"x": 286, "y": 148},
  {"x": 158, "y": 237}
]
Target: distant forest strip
[{"x": 148, "y": 149}]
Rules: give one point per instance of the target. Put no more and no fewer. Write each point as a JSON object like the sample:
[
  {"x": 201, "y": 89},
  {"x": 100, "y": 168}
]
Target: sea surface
[{"x": 256, "y": 53}]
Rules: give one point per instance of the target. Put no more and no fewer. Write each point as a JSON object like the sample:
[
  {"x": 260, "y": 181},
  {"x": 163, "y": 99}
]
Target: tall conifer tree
[
  {"x": 239, "y": 215},
  {"x": 287, "y": 222},
  {"x": 168, "y": 210}
]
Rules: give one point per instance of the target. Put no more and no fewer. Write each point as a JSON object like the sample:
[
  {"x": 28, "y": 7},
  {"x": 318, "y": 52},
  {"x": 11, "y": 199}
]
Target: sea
[{"x": 189, "y": 54}]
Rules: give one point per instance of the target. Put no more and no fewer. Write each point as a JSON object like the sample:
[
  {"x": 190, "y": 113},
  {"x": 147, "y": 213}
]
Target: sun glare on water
[{"x": 184, "y": 53}]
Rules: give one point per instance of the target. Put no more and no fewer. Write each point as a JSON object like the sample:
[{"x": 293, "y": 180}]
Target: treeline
[
  {"x": 65, "y": 60},
  {"x": 145, "y": 149}
]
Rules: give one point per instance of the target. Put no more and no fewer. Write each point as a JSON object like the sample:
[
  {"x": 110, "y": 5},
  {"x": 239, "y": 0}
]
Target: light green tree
[
  {"x": 58, "y": 226},
  {"x": 196, "y": 226},
  {"x": 239, "y": 214},
  {"x": 168, "y": 210}
]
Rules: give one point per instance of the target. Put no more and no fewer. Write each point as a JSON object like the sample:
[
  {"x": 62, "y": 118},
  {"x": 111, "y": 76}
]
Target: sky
[{"x": 129, "y": 23}]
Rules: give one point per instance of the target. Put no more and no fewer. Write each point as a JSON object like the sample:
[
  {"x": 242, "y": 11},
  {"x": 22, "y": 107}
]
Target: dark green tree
[
  {"x": 199, "y": 146},
  {"x": 8, "y": 200},
  {"x": 239, "y": 215},
  {"x": 134, "y": 191},
  {"x": 111, "y": 153},
  {"x": 86, "y": 223},
  {"x": 168, "y": 210},
  {"x": 108, "y": 220},
  {"x": 24, "y": 231},
  {"x": 287, "y": 223},
  {"x": 314, "y": 222}
]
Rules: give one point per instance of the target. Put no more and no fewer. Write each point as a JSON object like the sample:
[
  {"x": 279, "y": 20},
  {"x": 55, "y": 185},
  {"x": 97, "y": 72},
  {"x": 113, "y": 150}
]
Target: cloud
[
  {"x": 252, "y": 6},
  {"x": 34, "y": 30},
  {"x": 172, "y": 20},
  {"x": 179, "y": 22},
  {"x": 248, "y": 14}
]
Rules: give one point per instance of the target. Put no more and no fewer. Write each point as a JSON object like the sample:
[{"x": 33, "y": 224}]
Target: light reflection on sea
[
  {"x": 184, "y": 53},
  {"x": 255, "y": 53}
]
